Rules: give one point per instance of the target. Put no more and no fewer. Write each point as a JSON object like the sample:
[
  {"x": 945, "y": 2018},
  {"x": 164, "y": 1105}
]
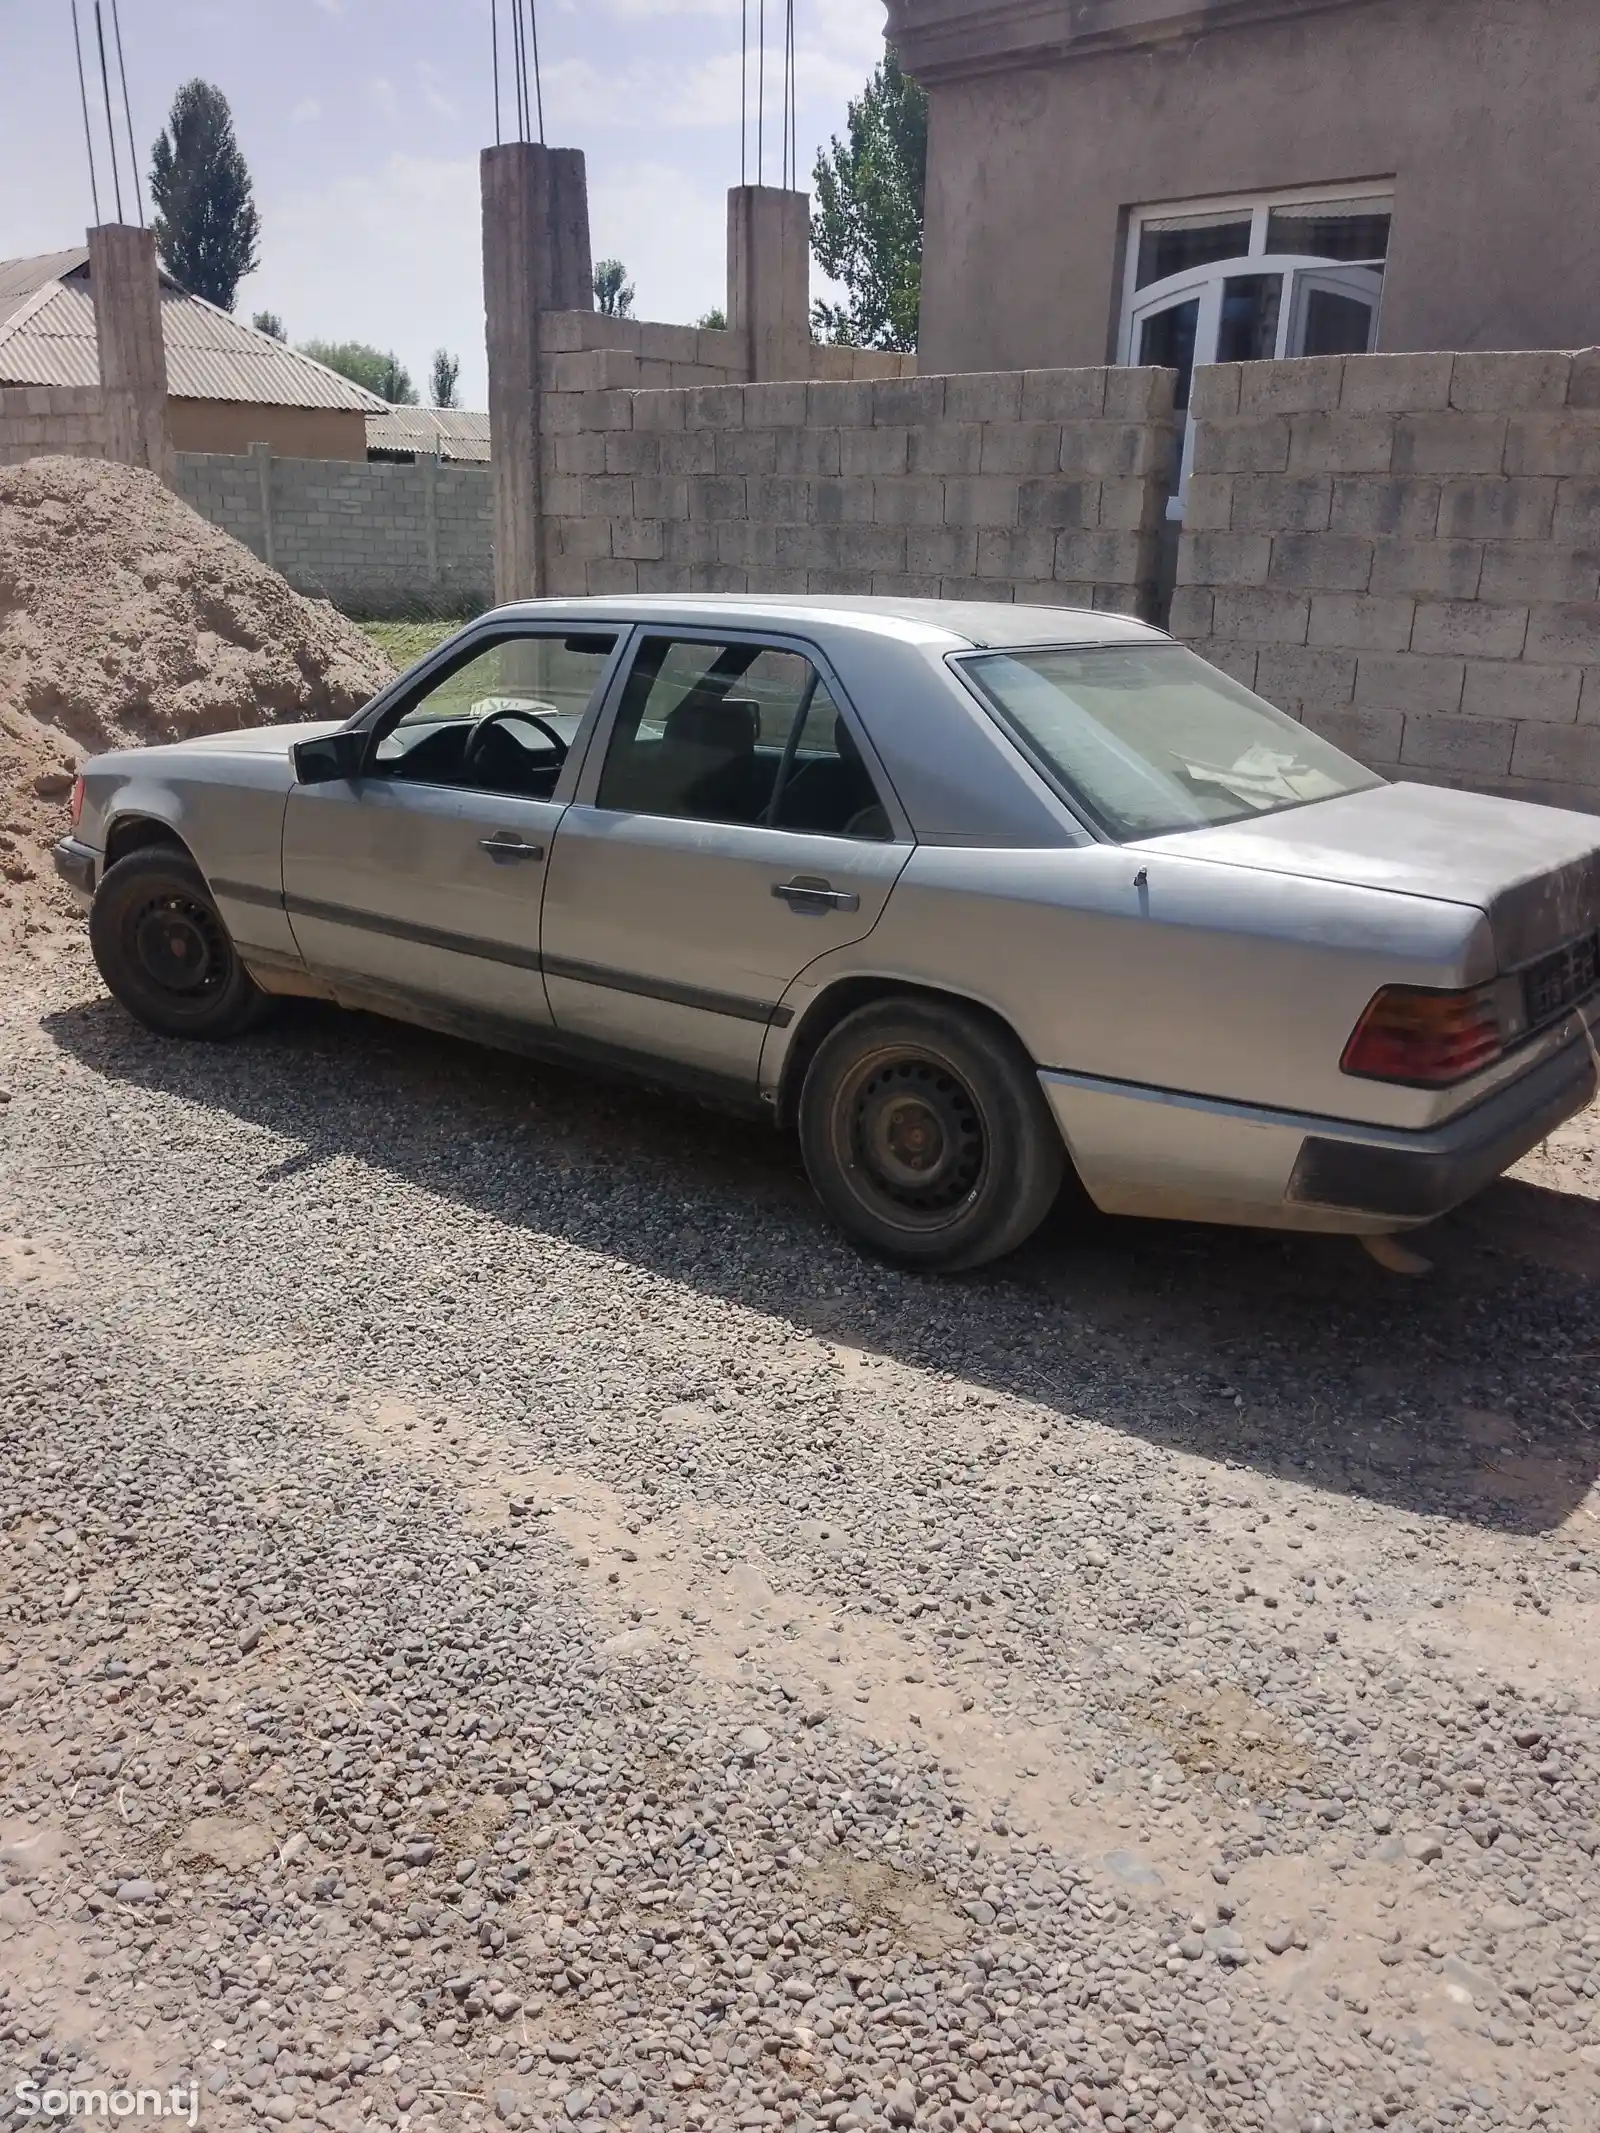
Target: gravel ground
[{"x": 505, "y": 1618}]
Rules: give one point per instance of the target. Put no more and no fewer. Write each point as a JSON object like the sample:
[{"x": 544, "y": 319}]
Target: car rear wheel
[
  {"x": 926, "y": 1135},
  {"x": 164, "y": 952}
]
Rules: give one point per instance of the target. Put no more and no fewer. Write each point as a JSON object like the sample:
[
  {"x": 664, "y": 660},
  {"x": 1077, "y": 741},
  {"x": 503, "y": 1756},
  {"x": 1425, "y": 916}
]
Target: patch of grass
[{"x": 406, "y": 642}]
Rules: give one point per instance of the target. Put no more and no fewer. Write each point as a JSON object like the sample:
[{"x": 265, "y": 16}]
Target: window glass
[
  {"x": 1151, "y": 740},
  {"x": 1248, "y": 331},
  {"x": 1334, "y": 324},
  {"x": 740, "y": 733},
  {"x": 1174, "y": 243},
  {"x": 476, "y": 727},
  {"x": 1331, "y": 229},
  {"x": 1167, "y": 342}
]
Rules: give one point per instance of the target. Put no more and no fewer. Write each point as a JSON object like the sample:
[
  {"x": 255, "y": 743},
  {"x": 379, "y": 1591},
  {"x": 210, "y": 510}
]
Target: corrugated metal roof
[
  {"x": 452, "y": 432},
  {"x": 48, "y": 338}
]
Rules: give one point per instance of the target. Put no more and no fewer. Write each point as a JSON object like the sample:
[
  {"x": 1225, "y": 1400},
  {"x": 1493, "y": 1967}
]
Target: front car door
[
  {"x": 731, "y": 825},
  {"x": 415, "y": 887}
]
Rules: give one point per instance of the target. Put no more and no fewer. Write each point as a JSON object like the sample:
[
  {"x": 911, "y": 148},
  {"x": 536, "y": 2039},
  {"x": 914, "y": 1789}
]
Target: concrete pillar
[
  {"x": 133, "y": 357},
  {"x": 769, "y": 278},
  {"x": 261, "y": 455},
  {"x": 536, "y": 258}
]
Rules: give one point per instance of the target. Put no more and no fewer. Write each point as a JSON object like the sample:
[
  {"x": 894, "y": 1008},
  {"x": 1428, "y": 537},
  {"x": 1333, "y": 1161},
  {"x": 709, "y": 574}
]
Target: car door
[
  {"x": 730, "y": 826},
  {"x": 417, "y": 884}
]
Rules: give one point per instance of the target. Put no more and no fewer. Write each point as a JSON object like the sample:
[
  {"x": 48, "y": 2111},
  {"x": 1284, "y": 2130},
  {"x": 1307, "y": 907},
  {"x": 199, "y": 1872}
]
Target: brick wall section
[
  {"x": 1033, "y": 485},
  {"x": 369, "y": 534},
  {"x": 1404, "y": 551},
  {"x": 36, "y": 419},
  {"x": 656, "y": 358}
]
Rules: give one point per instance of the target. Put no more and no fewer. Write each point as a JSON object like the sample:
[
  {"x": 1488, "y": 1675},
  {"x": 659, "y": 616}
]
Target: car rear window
[{"x": 1149, "y": 739}]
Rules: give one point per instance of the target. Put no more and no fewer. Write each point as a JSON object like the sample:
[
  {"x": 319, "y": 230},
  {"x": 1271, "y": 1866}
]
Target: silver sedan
[{"x": 972, "y": 897}]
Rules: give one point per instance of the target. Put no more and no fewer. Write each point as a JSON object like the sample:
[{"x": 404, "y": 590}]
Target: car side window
[
  {"x": 500, "y": 720},
  {"x": 739, "y": 733}
]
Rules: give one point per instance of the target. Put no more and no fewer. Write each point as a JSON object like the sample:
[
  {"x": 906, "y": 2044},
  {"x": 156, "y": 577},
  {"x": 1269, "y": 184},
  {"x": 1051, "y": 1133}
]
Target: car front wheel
[
  {"x": 164, "y": 952},
  {"x": 926, "y": 1135}
]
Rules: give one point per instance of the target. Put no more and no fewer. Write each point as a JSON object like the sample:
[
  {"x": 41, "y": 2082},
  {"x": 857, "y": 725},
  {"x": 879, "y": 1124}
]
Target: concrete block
[
  {"x": 1471, "y": 747},
  {"x": 1059, "y": 504},
  {"x": 1101, "y": 556},
  {"x": 638, "y": 539},
  {"x": 1117, "y": 451},
  {"x": 958, "y": 588},
  {"x": 983, "y": 396},
  {"x": 583, "y": 539},
  {"x": 1589, "y": 698},
  {"x": 1280, "y": 503},
  {"x": 1299, "y": 385},
  {"x": 1471, "y": 627},
  {"x": 746, "y": 451},
  {"x": 1487, "y": 383},
  {"x": 1258, "y": 446},
  {"x": 1020, "y": 448},
  {"x": 828, "y": 584},
  {"x": 1125, "y": 505},
  {"x": 605, "y": 495},
  {"x": 1583, "y": 388},
  {"x": 1063, "y": 395},
  {"x": 683, "y": 375},
  {"x": 1192, "y": 611},
  {"x": 1214, "y": 392},
  {"x": 631, "y": 451},
  {"x": 776, "y": 403},
  {"x": 1577, "y": 513},
  {"x": 566, "y": 577},
  {"x": 1009, "y": 553},
  {"x": 1372, "y": 737},
  {"x": 1361, "y": 622},
  {"x": 1341, "y": 443},
  {"x": 669, "y": 344},
  {"x": 1298, "y": 679},
  {"x": 1568, "y": 753},
  {"x": 714, "y": 407},
  {"x": 807, "y": 451},
  {"x": 665, "y": 496},
  {"x": 1239, "y": 660},
  {"x": 1266, "y": 616},
  {"x": 1054, "y": 592},
  {"x": 1404, "y": 681},
  {"x": 720, "y": 496},
  {"x": 1521, "y": 690},
  {"x": 1223, "y": 558},
  {"x": 908, "y": 500},
  {"x": 904, "y": 585},
  {"x": 943, "y": 550},
  {"x": 779, "y": 497},
  {"x": 750, "y": 545},
  {"x": 1565, "y": 635},
  {"x": 1208, "y": 507},
  {"x": 1141, "y": 393},
  {"x": 1449, "y": 570},
  {"x": 864, "y": 548},
  {"x": 839, "y": 407},
  {"x": 1333, "y": 562},
  {"x": 1396, "y": 384},
  {"x": 689, "y": 541},
  {"x": 838, "y": 503},
  {"x": 721, "y": 350},
  {"x": 865, "y": 453},
  {"x": 1399, "y": 506},
  {"x": 1520, "y": 510},
  {"x": 689, "y": 452},
  {"x": 563, "y": 495},
  {"x": 652, "y": 377},
  {"x": 1566, "y": 444},
  {"x": 596, "y": 370},
  {"x": 1449, "y": 443},
  {"x": 983, "y": 500},
  {"x": 947, "y": 448},
  {"x": 905, "y": 402}
]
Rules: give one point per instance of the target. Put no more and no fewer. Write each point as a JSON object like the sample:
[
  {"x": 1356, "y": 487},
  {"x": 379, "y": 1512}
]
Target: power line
[
  {"x": 83, "y": 97},
  {"x": 127, "y": 111},
  {"x": 519, "y": 70},
  {"x": 105, "y": 86},
  {"x": 538, "y": 82}
]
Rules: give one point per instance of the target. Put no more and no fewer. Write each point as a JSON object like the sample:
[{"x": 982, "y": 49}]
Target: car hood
[
  {"x": 1534, "y": 871},
  {"x": 250, "y": 740}
]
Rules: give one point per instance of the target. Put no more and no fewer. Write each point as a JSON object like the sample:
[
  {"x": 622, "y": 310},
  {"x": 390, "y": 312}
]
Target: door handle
[
  {"x": 807, "y": 892},
  {"x": 506, "y": 847}
]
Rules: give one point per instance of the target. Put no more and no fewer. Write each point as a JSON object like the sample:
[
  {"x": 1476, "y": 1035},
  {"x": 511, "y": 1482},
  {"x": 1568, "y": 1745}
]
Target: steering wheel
[{"x": 503, "y": 716}]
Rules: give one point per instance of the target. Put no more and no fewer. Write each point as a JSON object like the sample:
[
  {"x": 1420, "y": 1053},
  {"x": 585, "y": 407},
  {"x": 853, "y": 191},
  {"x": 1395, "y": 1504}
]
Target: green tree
[
  {"x": 867, "y": 229},
  {"x": 613, "y": 291},
  {"x": 715, "y": 320},
  {"x": 206, "y": 223},
  {"x": 379, "y": 370},
  {"x": 442, "y": 378},
  {"x": 268, "y": 322}
]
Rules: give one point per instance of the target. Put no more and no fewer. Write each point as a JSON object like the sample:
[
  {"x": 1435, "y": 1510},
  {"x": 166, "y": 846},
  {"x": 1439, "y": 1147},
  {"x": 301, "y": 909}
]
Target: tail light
[
  {"x": 1428, "y": 1039},
  {"x": 77, "y": 800}
]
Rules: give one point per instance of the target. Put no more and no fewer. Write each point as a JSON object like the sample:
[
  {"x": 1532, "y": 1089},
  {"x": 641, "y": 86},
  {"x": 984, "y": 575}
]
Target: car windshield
[{"x": 1149, "y": 739}]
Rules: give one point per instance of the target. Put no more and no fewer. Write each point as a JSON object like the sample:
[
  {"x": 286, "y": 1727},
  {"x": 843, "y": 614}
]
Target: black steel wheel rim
[
  {"x": 917, "y": 1139},
  {"x": 179, "y": 944}
]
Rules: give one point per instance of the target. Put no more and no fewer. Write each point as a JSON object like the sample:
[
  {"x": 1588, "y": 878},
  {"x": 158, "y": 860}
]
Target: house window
[{"x": 1239, "y": 281}]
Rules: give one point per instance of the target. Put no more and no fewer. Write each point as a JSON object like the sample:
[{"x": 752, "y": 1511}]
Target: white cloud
[
  {"x": 382, "y": 91},
  {"x": 429, "y": 80},
  {"x": 305, "y": 112}
]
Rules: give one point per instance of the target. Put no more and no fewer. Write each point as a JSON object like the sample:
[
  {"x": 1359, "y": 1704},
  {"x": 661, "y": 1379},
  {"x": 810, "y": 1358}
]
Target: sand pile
[{"x": 125, "y": 618}]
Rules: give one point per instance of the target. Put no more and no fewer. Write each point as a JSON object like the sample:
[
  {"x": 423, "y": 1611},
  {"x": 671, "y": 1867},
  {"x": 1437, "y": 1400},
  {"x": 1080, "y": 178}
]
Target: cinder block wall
[
  {"x": 1404, "y": 551},
  {"x": 377, "y": 535},
  {"x": 644, "y": 357},
  {"x": 1037, "y": 485},
  {"x": 36, "y": 419}
]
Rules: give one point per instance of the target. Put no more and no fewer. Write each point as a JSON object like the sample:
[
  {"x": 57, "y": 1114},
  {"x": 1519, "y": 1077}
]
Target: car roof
[{"x": 947, "y": 624}]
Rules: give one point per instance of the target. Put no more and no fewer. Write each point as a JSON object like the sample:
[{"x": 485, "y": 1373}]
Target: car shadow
[{"x": 1469, "y": 1394}]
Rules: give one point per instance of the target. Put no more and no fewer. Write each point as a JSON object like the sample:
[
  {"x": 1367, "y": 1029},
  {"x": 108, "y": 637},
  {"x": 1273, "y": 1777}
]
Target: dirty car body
[{"x": 560, "y": 832}]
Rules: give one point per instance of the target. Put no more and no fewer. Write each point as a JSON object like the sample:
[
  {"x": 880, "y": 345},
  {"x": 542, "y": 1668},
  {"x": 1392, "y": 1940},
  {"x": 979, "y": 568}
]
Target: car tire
[
  {"x": 165, "y": 953},
  {"x": 926, "y": 1135}
]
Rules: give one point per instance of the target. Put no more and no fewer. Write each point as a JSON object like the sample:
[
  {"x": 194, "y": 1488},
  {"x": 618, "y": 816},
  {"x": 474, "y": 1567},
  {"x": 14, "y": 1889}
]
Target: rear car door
[
  {"x": 731, "y": 825},
  {"x": 417, "y": 884}
]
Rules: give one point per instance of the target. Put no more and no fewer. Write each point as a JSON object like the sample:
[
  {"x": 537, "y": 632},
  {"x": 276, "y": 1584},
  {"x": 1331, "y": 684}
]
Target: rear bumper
[
  {"x": 76, "y": 864},
  {"x": 1156, "y": 1152}
]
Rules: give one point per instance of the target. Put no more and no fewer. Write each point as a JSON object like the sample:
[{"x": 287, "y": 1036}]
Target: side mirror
[{"x": 329, "y": 757}]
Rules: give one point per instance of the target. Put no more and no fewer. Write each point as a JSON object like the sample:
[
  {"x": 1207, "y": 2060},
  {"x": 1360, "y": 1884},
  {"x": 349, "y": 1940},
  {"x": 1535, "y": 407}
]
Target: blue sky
[{"x": 361, "y": 121}]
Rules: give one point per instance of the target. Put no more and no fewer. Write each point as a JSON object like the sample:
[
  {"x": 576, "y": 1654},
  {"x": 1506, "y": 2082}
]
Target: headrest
[{"x": 707, "y": 720}]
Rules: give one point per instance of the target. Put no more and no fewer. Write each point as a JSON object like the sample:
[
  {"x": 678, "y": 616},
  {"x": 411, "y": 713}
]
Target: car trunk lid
[{"x": 1533, "y": 871}]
